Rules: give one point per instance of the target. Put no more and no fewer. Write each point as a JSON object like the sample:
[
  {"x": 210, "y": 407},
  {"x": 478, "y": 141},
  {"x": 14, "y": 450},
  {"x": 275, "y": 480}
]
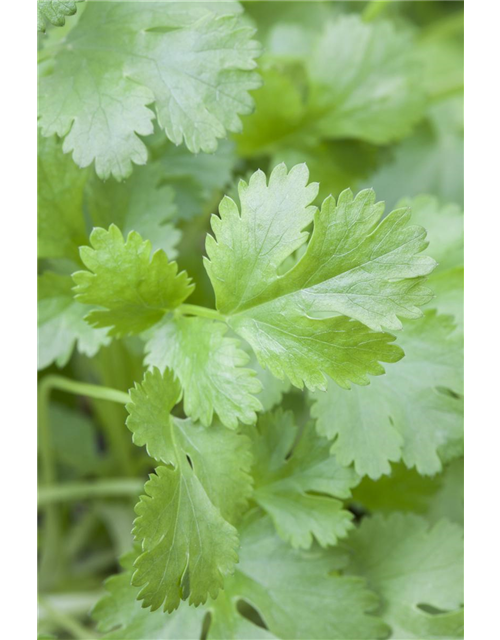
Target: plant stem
[
  {"x": 119, "y": 487},
  {"x": 84, "y": 389},
  {"x": 51, "y": 556},
  {"x": 202, "y": 312},
  {"x": 374, "y": 9},
  {"x": 66, "y": 622}
]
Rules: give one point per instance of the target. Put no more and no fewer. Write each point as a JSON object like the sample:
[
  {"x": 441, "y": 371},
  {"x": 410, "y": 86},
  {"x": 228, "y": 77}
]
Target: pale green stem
[
  {"x": 374, "y": 9},
  {"x": 72, "y": 491},
  {"x": 202, "y": 312},
  {"x": 66, "y": 622},
  {"x": 51, "y": 548}
]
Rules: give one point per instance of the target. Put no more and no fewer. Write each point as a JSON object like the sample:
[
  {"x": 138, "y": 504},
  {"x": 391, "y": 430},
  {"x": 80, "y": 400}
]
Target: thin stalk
[
  {"x": 85, "y": 389},
  {"x": 72, "y": 491},
  {"x": 66, "y": 622},
  {"x": 374, "y": 9},
  {"x": 202, "y": 312},
  {"x": 51, "y": 556}
]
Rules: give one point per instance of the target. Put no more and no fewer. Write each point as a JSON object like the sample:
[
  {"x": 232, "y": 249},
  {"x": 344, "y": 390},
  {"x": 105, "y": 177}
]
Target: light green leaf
[
  {"x": 192, "y": 61},
  {"x": 196, "y": 179},
  {"x": 298, "y": 483},
  {"x": 298, "y": 594},
  {"x": 407, "y": 414},
  {"x": 365, "y": 81},
  {"x": 444, "y": 224},
  {"x": 445, "y": 229},
  {"x": 430, "y": 161},
  {"x": 61, "y": 324},
  {"x": 61, "y": 226},
  {"x": 188, "y": 543},
  {"x": 448, "y": 501},
  {"x": 210, "y": 367},
  {"x": 411, "y": 564},
  {"x": 54, "y": 11},
  {"x": 135, "y": 288},
  {"x": 272, "y": 388},
  {"x": 356, "y": 265},
  {"x": 141, "y": 203},
  {"x": 120, "y": 616}
]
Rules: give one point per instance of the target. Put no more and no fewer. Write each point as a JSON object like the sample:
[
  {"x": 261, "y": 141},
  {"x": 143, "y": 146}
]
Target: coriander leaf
[
  {"x": 354, "y": 264},
  {"x": 184, "y": 517},
  {"x": 210, "y": 367},
  {"x": 135, "y": 288},
  {"x": 61, "y": 323},
  {"x": 411, "y": 564},
  {"x": 430, "y": 161},
  {"x": 120, "y": 616},
  {"x": 184, "y": 541},
  {"x": 299, "y": 483},
  {"x": 444, "y": 224},
  {"x": 54, "y": 11},
  {"x": 196, "y": 179},
  {"x": 407, "y": 414},
  {"x": 445, "y": 229},
  {"x": 448, "y": 501},
  {"x": 193, "y": 61},
  {"x": 272, "y": 388},
  {"x": 298, "y": 594},
  {"x": 365, "y": 81},
  {"x": 61, "y": 226},
  {"x": 141, "y": 203}
]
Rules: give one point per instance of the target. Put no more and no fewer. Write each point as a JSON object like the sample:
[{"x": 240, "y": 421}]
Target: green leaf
[
  {"x": 298, "y": 483},
  {"x": 445, "y": 229},
  {"x": 365, "y": 81},
  {"x": 408, "y": 414},
  {"x": 354, "y": 264},
  {"x": 61, "y": 324},
  {"x": 135, "y": 288},
  {"x": 210, "y": 367},
  {"x": 444, "y": 224},
  {"x": 54, "y": 11},
  {"x": 61, "y": 226},
  {"x": 196, "y": 179},
  {"x": 142, "y": 203},
  {"x": 123, "y": 618},
  {"x": 298, "y": 594},
  {"x": 193, "y": 62},
  {"x": 430, "y": 161},
  {"x": 272, "y": 388},
  {"x": 410, "y": 564},
  {"x": 185, "y": 541},
  {"x": 188, "y": 543}
]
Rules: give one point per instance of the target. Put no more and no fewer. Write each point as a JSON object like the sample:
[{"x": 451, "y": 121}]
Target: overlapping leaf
[
  {"x": 61, "y": 323},
  {"x": 61, "y": 225},
  {"x": 142, "y": 203},
  {"x": 299, "y": 483},
  {"x": 356, "y": 269},
  {"x": 298, "y": 594},
  {"x": 365, "y": 81},
  {"x": 188, "y": 544},
  {"x": 410, "y": 413},
  {"x": 135, "y": 288},
  {"x": 413, "y": 566},
  {"x": 54, "y": 11},
  {"x": 194, "y": 61},
  {"x": 445, "y": 229},
  {"x": 210, "y": 367}
]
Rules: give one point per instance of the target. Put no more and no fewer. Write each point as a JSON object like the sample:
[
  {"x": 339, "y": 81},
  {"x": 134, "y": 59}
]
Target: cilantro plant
[{"x": 250, "y": 243}]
